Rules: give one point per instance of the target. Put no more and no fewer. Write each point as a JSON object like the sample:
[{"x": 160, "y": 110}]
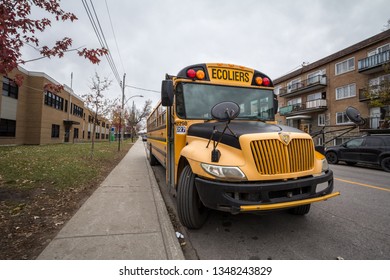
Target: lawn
[
  {"x": 58, "y": 166},
  {"x": 41, "y": 187}
]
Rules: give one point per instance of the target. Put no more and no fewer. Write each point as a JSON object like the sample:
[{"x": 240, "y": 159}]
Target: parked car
[
  {"x": 371, "y": 149},
  {"x": 144, "y": 138}
]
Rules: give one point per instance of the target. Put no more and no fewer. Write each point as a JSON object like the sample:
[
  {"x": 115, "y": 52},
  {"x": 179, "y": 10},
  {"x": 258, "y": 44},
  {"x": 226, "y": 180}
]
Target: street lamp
[
  {"x": 121, "y": 113},
  {"x": 131, "y": 98}
]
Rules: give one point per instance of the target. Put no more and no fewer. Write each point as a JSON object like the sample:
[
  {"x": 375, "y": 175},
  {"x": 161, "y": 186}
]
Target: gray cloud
[{"x": 158, "y": 37}]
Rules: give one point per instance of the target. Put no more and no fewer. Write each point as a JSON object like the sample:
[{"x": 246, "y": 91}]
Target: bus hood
[{"x": 239, "y": 128}]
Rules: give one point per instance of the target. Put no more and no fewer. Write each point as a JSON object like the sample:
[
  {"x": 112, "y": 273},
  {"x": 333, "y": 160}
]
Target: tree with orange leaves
[{"x": 17, "y": 28}]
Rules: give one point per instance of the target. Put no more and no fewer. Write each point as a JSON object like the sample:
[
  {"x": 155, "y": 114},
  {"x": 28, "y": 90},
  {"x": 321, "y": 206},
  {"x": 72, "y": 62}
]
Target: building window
[
  {"x": 380, "y": 49},
  {"x": 54, "y": 100},
  {"x": 75, "y": 133},
  {"x": 321, "y": 119},
  {"x": 345, "y": 66},
  {"x": 7, "y": 128},
  {"x": 314, "y": 96},
  {"x": 341, "y": 118},
  {"x": 346, "y": 91},
  {"x": 55, "y": 131},
  {"x": 316, "y": 77},
  {"x": 295, "y": 101},
  {"x": 277, "y": 90},
  {"x": 77, "y": 111},
  {"x": 10, "y": 89},
  {"x": 294, "y": 85}
]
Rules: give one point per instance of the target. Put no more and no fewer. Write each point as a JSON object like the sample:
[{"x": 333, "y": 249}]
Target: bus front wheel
[{"x": 192, "y": 213}]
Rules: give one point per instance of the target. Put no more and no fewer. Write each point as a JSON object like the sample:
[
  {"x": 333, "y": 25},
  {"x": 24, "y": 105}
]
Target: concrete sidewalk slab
[{"x": 125, "y": 218}]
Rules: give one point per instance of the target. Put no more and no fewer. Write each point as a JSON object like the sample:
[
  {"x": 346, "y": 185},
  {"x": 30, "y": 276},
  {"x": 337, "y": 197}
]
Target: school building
[{"x": 32, "y": 114}]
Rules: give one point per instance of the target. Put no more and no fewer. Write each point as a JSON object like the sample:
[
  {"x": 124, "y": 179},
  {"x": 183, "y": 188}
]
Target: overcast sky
[{"x": 159, "y": 37}]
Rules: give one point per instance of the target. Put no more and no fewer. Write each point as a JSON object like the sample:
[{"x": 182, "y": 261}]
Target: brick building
[
  {"x": 316, "y": 96},
  {"x": 29, "y": 114}
]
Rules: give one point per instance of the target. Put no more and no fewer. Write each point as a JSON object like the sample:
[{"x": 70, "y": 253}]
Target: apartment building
[
  {"x": 316, "y": 96},
  {"x": 33, "y": 114}
]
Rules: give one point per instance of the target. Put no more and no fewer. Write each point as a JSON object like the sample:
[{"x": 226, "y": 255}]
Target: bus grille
[{"x": 274, "y": 157}]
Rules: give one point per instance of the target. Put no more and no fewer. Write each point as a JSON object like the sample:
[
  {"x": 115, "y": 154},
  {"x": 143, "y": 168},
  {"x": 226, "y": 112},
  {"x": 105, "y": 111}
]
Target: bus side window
[{"x": 180, "y": 109}]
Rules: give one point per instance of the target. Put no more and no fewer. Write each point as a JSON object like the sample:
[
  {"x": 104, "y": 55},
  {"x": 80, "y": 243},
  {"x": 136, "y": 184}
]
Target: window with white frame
[
  {"x": 295, "y": 101},
  {"x": 277, "y": 90},
  {"x": 345, "y": 66},
  {"x": 341, "y": 118},
  {"x": 383, "y": 48},
  {"x": 378, "y": 50},
  {"x": 346, "y": 91},
  {"x": 315, "y": 77},
  {"x": 314, "y": 96},
  {"x": 294, "y": 85},
  {"x": 379, "y": 80},
  {"x": 321, "y": 120}
]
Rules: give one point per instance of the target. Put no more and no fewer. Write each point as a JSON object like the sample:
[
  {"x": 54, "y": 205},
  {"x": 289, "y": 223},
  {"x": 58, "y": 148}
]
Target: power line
[
  {"x": 116, "y": 42},
  {"x": 113, "y": 68},
  {"x": 144, "y": 89},
  {"x": 93, "y": 18}
]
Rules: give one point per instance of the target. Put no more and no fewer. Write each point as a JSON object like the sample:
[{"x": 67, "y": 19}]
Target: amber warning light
[{"x": 262, "y": 81}]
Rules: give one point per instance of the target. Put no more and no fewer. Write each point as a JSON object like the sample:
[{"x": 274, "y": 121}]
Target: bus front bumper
[{"x": 236, "y": 197}]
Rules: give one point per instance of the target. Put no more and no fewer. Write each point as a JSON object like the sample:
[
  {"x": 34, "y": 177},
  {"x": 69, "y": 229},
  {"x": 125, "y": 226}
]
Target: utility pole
[{"x": 121, "y": 113}]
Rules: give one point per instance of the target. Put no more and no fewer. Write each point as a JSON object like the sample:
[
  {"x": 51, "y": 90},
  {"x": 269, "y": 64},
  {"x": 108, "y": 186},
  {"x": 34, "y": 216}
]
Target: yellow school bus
[{"x": 214, "y": 131}]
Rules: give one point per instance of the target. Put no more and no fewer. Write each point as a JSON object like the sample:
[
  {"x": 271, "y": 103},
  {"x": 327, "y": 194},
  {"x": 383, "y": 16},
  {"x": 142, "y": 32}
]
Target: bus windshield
[{"x": 194, "y": 101}]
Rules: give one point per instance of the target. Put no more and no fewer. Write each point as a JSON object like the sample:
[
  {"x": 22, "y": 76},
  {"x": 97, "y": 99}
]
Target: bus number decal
[{"x": 181, "y": 130}]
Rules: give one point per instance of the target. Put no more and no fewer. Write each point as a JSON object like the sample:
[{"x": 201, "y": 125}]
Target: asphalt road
[{"x": 355, "y": 225}]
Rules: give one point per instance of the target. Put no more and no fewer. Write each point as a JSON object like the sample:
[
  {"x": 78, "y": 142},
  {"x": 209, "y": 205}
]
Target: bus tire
[
  {"x": 152, "y": 159},
  {"x": 192, "y": 213},
  {"x": 300, "y": 210}
]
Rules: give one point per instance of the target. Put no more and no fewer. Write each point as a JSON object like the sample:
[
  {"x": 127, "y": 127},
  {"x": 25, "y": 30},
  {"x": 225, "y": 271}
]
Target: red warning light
[
  {"x": 266, "y": 82},
  {"x": 191, "y": 73}
]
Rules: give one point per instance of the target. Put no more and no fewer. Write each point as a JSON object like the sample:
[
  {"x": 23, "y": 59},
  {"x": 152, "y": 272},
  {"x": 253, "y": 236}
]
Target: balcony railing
[
  {"x": 374, "y": 61},
  {"x": 310, "y": 84},
  {"x": 375, "y": 123},
  {"x": 316, "y": 103},
  {"x": 309, "y": 106}
]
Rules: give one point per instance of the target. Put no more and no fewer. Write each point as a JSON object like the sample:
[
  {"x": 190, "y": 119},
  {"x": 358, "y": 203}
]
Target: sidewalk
[{"x": 125, "y": 218}]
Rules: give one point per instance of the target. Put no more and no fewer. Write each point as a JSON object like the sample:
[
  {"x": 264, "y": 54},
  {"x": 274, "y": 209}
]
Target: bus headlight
[
  {"x": 325, "y": 165},
  {"x": 224, "y": 172}
]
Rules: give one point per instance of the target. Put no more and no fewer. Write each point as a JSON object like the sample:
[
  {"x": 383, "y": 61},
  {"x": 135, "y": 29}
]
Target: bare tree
[
  {"x": 99, "y": 105},
  {"x": 136, "y": 116}
]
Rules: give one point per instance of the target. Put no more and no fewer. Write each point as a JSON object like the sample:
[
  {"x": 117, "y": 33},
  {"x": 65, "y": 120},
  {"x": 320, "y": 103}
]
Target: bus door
[{"x": 170, "y": 160}]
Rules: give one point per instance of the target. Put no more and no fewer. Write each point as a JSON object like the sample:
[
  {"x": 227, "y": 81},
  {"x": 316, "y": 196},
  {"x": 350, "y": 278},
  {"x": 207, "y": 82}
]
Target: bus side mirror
[{"x": 167, "y": 93}]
